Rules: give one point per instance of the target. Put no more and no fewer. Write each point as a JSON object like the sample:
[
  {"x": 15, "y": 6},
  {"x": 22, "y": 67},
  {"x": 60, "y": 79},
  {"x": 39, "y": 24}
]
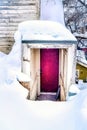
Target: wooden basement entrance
[{"x": 39, "y": 41}]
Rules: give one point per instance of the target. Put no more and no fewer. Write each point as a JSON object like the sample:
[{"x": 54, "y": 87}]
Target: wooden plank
[
  {"x": 19, "y": 4},
  {"x": 19, "y": 19},
  {"x": 62, "y": 89},
  {"x": 16, "y": 2},
  {"x": 6, "y": 43},
  {"x": 9, "y": 24},
  {"x": 23, "y": 7},
  {"x": 6, "y": 32},
  {"x": 7, "y": 38},
  {"x": 38, "y": 45},
  {"x": 22, "y": 14},
  {"x": 5, "y": 49},
  {"x": 8, "y": 28},
  {"x": 16, "y": 10}
]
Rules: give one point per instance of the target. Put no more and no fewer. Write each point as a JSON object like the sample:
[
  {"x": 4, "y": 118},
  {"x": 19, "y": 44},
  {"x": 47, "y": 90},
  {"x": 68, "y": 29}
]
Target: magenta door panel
[{"x": 49, "y": 65}]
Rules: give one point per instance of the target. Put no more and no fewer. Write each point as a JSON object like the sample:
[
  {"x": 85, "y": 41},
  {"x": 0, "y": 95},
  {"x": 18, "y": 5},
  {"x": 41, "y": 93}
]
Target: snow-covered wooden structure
[{"x": 48, "y": 56}]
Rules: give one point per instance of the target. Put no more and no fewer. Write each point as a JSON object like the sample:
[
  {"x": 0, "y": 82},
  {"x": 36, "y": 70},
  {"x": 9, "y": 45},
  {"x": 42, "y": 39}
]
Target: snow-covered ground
[{"x": 16, "y": 112}]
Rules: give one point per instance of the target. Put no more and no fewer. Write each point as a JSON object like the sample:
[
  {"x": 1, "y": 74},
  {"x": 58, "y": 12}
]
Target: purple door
[{"x": 49, "y": 65}]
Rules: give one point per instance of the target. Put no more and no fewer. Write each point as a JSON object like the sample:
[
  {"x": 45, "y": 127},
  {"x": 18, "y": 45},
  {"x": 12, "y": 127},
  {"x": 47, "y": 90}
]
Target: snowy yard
[{"x": 16, "y": 112}]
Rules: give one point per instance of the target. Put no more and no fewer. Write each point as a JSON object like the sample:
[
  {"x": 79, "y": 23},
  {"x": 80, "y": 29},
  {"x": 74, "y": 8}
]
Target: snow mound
[
  {"x": 44, "y": 30},
  {"x": 74, "y": 89},
  {"x": 23, "y": 77}
]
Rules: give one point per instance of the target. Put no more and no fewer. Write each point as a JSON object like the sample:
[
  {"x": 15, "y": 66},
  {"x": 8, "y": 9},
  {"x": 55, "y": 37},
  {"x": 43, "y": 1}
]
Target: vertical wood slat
[{"x": 62, "y": 85}]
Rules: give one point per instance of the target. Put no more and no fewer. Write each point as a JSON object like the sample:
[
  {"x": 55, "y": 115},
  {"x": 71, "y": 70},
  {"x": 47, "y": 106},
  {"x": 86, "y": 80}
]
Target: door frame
[{"x": 35, "y": 68}]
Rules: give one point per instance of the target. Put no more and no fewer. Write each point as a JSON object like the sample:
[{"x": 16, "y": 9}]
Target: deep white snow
[
  {"x": 16, "y": 112},
  {"x": 44, "y": 30}
]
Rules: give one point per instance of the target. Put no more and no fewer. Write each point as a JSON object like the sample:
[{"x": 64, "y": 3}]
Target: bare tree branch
[{"x": 83, "y": 3}]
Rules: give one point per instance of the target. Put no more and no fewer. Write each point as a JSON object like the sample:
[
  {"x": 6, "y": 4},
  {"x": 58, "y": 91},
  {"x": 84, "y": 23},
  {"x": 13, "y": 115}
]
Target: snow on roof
[
  {"x": 45, "y": 30},
  {"x": 81, "y": 58},
  {"x": 82, "y": 63}
]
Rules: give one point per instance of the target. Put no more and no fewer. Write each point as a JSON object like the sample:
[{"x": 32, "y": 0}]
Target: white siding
[{"x": 12, "y": 12}]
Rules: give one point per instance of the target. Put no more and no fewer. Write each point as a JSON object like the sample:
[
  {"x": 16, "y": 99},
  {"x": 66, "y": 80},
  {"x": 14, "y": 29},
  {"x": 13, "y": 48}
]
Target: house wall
[
  {"x": 82, "y": 72},
  {"x": 12, "y": 12}
]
